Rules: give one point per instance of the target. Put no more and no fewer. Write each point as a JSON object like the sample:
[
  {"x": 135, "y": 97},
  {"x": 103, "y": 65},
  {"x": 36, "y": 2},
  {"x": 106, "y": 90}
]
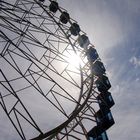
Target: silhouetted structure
[{"x": 37, "y": 79}]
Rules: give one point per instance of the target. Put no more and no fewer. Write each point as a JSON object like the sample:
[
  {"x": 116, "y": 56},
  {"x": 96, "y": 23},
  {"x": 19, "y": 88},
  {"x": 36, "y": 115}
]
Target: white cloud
[{"x": 135, "y": 61}]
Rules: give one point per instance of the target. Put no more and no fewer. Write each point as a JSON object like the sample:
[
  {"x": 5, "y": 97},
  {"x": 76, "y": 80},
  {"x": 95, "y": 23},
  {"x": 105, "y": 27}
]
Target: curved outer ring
[{"x": 50, "y": 134}]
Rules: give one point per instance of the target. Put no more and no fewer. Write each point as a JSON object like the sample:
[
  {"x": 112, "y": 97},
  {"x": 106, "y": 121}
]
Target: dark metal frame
[{"x": 24, "y": 19}]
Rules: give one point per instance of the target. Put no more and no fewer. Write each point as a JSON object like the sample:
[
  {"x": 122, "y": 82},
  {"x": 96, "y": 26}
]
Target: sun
[{"x": 74, "y": 60}]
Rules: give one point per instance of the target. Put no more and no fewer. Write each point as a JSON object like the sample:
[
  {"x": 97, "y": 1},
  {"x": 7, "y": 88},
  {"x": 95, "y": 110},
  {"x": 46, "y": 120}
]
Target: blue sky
[{"x": 113, "y": 26}]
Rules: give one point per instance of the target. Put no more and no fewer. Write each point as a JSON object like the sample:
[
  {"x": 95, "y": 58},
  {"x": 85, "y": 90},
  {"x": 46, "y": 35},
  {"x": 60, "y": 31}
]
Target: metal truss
[{"x": 37, "y": 79}]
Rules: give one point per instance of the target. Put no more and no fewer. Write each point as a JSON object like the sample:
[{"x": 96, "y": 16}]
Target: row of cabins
[{"x": 103, "y": 116}]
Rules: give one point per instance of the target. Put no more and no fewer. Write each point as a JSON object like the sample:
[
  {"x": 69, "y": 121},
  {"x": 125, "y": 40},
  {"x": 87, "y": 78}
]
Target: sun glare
[{"x": 74, "y": 60}]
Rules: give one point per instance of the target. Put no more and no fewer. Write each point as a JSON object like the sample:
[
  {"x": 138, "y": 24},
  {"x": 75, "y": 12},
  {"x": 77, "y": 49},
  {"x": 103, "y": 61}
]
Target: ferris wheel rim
[{"x": 76, "y": 110}]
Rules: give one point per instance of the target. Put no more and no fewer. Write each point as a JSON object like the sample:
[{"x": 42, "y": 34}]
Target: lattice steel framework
[{"x": 43, "y": 93}]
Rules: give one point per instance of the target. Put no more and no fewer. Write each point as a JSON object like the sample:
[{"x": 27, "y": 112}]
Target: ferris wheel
[{"x": 53, "y": 84}]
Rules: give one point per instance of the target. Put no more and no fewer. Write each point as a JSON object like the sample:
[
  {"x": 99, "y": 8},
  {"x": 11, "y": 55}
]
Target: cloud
[
  {"x": 126, "y": 111},
  {"x": 135, "y": 61}
]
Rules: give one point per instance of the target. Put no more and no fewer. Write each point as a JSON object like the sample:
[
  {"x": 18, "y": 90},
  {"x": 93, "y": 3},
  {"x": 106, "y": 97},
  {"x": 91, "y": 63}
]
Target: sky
[{"x": 113, "y": 27}]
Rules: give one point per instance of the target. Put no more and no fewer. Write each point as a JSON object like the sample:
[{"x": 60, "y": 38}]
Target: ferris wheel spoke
[
  {"x": 43, "y": 93},
  {"x": 13, "y": 109},
  {"x": 20, "y": 71}
]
